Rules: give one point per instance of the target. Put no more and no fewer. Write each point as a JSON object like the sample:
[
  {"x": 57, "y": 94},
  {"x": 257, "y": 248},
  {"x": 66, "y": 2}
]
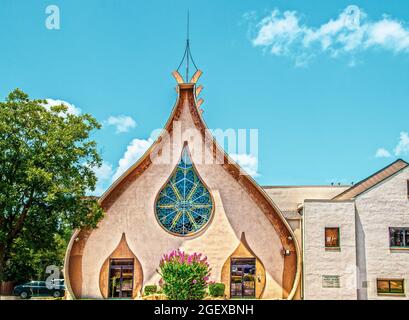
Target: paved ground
[{"x": 8, "y": 298}]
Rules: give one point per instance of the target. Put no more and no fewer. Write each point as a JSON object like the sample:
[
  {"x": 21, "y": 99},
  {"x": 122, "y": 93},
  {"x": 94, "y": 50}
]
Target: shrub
[
  {"x": 248, "y": 278},
  {"x": 184, "y": 276},
  {"x": 150, "y": 289},
  {"x": 216, "y": 289}
]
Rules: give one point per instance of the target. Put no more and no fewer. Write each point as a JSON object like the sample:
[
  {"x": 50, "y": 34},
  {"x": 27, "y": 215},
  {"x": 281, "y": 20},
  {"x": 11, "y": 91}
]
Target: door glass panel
[{"x": 242, "y": 280}]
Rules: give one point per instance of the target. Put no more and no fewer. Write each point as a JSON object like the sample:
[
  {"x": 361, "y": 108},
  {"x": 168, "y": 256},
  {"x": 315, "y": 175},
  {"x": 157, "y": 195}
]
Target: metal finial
[
  {"x": 187, "y": 55},
  {"x": 188, "y": 18},
  {"x": 188, "y": 48}
]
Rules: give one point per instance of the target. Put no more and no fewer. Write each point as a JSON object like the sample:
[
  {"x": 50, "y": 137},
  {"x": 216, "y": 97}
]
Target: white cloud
[
  {"x": 71, "y": 109},
  {"x": 284, "y": 34},
  {"x": 382, "y": 153},
  {"x": 103, "y": 174},
  {"x": 278, "y": 32},
  {"x": 403, "y": 146},
  {"x": 401, "y": 149},
  {"x": 122, "y": 123},
  {"x": 389, "y": 34},
  {"x": 247, "y": 162},
  {"x": 133, "y": 152}
]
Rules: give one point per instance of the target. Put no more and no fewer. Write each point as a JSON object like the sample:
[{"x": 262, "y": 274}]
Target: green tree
[
  {"x": 27, "y": 263},
  {"x": 46, "y": 169}
]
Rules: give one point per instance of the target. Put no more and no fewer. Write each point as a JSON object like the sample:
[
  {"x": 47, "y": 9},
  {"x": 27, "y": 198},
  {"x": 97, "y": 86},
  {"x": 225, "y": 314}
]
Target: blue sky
[{"x": 324, "y": 97}]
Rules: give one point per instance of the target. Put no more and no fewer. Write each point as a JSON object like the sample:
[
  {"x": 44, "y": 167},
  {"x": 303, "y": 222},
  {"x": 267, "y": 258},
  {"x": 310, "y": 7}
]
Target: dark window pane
[
  {"x": 399, "y": 237},
  {"x": 383, "y": 286},
  {"x": 331, "y": 237},
  {"x": 392, "y": 237},
  {"x": 396, "y": 286},
  {"x": 407, "y": 238}
]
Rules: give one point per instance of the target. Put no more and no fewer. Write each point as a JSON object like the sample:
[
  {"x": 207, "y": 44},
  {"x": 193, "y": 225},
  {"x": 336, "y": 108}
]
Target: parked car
[{"x": 40, "y": 289}]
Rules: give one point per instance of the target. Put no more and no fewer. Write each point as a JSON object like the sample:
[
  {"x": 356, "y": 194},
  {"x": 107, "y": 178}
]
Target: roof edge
[{"x": 373, "y": 175}]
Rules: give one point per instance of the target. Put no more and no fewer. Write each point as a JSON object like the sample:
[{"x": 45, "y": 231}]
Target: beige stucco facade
[{"x": 240, "y": 207}]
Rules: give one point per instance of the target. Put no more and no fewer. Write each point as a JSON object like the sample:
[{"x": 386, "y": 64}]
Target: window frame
[
  {"x": 330, "y": 247},
  {"x": 405, "y": 236},
  {"x": 116, "y": 263},
  {"x": 390, "y": 293}
]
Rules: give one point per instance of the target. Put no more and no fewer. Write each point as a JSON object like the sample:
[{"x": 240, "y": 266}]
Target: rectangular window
[
  {"x": 399, "y": 237},
  {"x": 332, "y": 238},
  {"x": 330, "y": 281},
  {"x": 390, "y": 286}
]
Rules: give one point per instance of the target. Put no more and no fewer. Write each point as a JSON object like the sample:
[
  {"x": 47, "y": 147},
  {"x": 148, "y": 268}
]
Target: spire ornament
[{"x": 187, "y": 58}]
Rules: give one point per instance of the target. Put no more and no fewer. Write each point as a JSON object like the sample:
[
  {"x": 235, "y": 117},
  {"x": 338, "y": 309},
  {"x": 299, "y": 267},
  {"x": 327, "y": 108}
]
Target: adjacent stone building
[{"x": 356, "y": 244}]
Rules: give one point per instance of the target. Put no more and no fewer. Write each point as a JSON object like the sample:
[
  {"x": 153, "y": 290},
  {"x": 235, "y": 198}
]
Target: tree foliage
[
  {"x": 26, "y": 263},
  {"x": 46, "y": 169}
]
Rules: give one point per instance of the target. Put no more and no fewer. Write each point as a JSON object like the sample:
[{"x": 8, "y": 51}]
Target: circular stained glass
[{"x": 184, "y": 205}]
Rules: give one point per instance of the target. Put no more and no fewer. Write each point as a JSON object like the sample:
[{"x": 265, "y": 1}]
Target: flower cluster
[
  {"x": 182, "y": 257},
  {"x": 184, "y": 276}
]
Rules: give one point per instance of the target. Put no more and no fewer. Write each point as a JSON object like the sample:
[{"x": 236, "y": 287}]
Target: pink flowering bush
[{"x": 184, "y": 276}]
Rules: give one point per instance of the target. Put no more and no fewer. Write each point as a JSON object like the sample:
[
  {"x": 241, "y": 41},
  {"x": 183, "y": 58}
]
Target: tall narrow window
[
  {"x": 332, "y": 238},
  {"x": 399, "y": 237},
  {"x": 390, "y": 286}
]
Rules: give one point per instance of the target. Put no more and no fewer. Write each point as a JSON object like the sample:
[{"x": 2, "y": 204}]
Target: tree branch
[{"x": 20, "y": 222}]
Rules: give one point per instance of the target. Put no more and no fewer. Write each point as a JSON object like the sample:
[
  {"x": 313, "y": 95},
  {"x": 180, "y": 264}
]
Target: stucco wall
[
  {"x": 386, "y": 205},
  {"x": 133, "y": 213},
  {"x": 318, "y": 261}
]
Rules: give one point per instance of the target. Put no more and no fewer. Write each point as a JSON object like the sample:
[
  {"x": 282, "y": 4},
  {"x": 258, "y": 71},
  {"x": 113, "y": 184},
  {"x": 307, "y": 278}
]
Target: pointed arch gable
[{"x": 186, "y": 95}]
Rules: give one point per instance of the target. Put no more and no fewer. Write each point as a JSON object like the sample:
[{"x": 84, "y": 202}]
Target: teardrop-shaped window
[{"x": 184, "y": 205}]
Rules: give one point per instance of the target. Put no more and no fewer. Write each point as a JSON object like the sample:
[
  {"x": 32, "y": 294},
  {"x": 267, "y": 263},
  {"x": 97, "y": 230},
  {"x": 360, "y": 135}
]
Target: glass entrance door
[
  {"x": 121, "y": 273},
  {"x": 242, "y": 279}
]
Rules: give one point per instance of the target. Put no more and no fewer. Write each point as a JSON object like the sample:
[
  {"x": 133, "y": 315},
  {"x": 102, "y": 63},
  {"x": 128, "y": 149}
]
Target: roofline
[
  {"x": 308, "y": 186},
  {"x": 329, "y": 200},
  {"x": 382, "y": 181},
  {"x": 371, "y": 176}
]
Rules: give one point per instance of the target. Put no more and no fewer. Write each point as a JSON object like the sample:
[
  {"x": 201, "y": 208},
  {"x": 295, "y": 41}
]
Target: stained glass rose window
[{"x": 184, "y": 205}]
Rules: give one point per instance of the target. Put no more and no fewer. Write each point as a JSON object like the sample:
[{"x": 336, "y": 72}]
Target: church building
[{"x": 185, "y": 192}]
